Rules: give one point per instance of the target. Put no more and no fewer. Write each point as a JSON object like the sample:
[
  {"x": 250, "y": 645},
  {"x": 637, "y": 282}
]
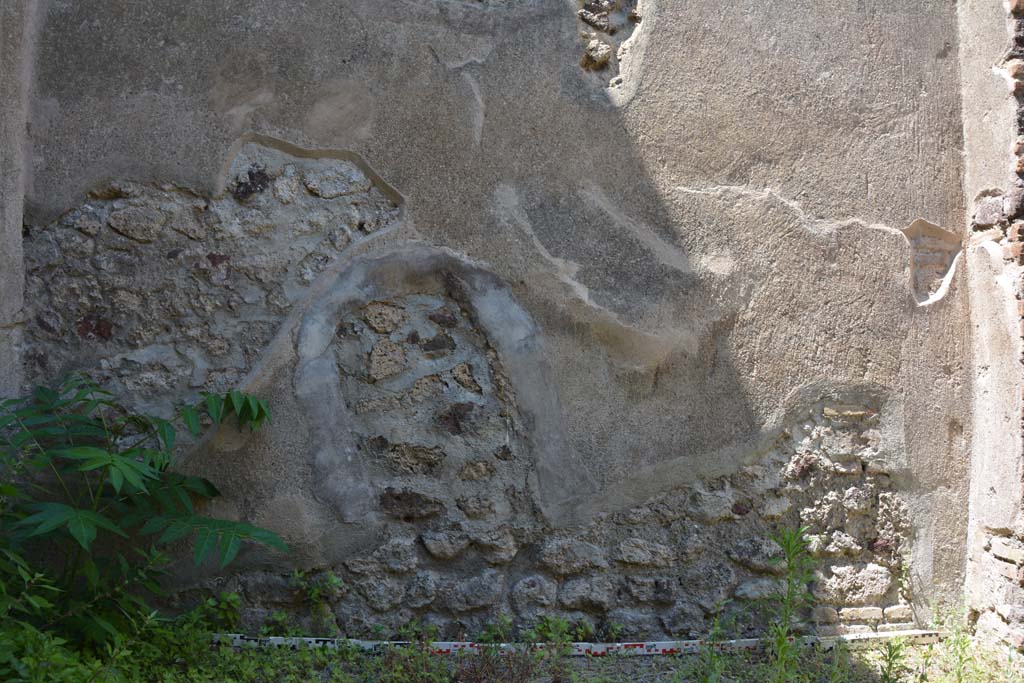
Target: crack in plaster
[
  {"x": 813, "y": 224},
  {"x": 922, "y": 236}
]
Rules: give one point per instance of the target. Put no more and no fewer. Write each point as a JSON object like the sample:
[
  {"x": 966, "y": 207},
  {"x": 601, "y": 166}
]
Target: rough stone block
[
  {"x": 991, "y": 627},
  {"x": 1006, "y": 570},
  {"x": 684, "y": 621},
  {"x": 640, "y": 552},
  {"x": 1012, "y": 251},
  {"x": 757, "y": 554},
  {"x": 636, "y": 623},
  {"x": 532, "y": 592},
  {"x": 421, "y": 590},
  {"x": 899, "y": 613},
  {"x": 497, "y": 546},
  {"x": 597, "y": 593},
  {"x": 759, "y": 589},
  {"x": 1007, "y": 549},
  {"x": 988, "y": 212},
  {"x": 567, "y": 556},
  {"x": 652, "y": 589},
  {"x": 853, "y": 614},
  {"x": 900, "y": 626},
  {"x": 1011, "y": 613},
  {"x": 775, "y": 507},
  {"x": 477, "y": 592},
  {"x": 1013, "y": 202},
  {"x": 445, "y": 545},
  {"x": 825, "y": 615},
  {"x": 855, "y": 585}
]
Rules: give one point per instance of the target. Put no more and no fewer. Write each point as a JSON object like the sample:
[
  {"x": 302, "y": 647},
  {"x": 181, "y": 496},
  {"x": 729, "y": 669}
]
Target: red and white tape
[{"x": 857, "y": 641}]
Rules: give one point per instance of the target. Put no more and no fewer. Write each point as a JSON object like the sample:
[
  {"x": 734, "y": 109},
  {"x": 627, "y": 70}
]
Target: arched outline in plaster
[
  {"x": 224, "y": 177},
  {"x": 561, "y": 479},
  {"x": 273, "y": 354}
]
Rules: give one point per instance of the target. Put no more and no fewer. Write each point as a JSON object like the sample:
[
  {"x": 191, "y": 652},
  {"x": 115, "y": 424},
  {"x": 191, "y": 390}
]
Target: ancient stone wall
[
  {"x": 420, "y": 433},
  {"x": 162, "y": 292},
  {"x": 664, "y": 569},
  {"x": 549, "y": 322}
]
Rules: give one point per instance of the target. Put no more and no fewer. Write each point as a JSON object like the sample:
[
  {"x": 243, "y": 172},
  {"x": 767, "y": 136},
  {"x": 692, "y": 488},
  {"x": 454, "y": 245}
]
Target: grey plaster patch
[{"x": 454, "y": 315}]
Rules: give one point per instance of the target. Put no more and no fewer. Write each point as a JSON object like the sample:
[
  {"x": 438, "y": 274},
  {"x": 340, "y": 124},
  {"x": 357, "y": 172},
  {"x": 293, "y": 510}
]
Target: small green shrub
[
  {"x": 320, "y": 591},
  {"x": 89, "y": 504},
  {"x": 711, "y": 660},
  {"x": 412, "y": 663},
  {"x": 498, "y": 631},
  {"x": 556, "y": 634},
  {"x": 894, "y": 666},
  {"x": 798, "y": 571}
]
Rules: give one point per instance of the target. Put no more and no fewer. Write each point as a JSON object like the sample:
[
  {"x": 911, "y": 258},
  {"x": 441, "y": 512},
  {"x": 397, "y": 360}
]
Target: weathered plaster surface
[
  {"x": 993, "y": 85},
  {"x": 17, "y": 35},
  {"x": 670, "y": 270}
]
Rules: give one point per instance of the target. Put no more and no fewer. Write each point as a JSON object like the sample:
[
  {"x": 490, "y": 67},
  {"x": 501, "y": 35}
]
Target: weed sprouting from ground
[
  {"x": 798, "y": 572},
  {"x": 894, "y": 668},
  {"x": 555, "y": 633},
  {"x": 492, "y": 664},
  {"x": 320, "y": 592},
  {"x": 501, "y": 630},
  {"x": 709, "y": 665}
]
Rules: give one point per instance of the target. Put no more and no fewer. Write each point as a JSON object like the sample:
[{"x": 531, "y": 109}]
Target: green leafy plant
[
  {"x": 491, "y": 665},
  {"x": 711, "y": 661},
  {"x": 893, "y": 662},
  {"x": 583, "y": 631},
  {"x": 839, "y": 670},
  {"x": 280, "y": 623},
  {"x": 87, "y": 483},
  {"x": 797, "y": 573},
  {"x": 925, "y": 664},
  {"x": 958, "y": 651},
  {"x": 498, "y": 631},
  {"x": 556, "y": 634},
  {"x": 411, "y": 663},
  {"x": 320, "y": 591},
  {"x": 613, "y": 631},
  {"x": 223, "y": 611}
]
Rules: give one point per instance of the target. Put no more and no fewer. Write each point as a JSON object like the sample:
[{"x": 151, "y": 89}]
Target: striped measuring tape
[{"x": 856, "y": 641}]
